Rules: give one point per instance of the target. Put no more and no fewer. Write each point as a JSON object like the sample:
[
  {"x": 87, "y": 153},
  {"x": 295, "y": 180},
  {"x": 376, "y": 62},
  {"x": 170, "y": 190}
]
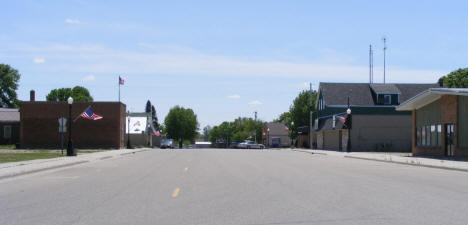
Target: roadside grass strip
[{"x": 16, "y": 157}]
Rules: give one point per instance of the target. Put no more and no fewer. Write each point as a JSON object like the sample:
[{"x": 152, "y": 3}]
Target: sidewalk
[
  {"x": 400, "y": 158},
  {"x": 32, "y": 166}
]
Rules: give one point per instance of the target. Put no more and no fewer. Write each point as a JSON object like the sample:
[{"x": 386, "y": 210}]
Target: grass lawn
[
  {"x": 15, "y": 157},
  {"x": 20, "y": 155},
  {"x": 7, "y": 147}
]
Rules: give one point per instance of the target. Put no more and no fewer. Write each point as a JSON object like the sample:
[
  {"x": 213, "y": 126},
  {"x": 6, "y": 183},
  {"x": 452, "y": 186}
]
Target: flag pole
[{"x": 119, "y": 88}]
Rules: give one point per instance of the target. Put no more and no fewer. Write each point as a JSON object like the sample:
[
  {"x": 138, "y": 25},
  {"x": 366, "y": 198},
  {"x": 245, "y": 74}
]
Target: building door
[{"x": 449, "y": 134}]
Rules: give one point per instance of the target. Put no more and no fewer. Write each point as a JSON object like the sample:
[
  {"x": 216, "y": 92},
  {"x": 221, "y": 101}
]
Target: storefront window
[
  {"x": 433, "y": 135},
  {"x": 439, "y": 135},
  {"x": 418, "y": 136},
  {"x": 423, "y": 136}
]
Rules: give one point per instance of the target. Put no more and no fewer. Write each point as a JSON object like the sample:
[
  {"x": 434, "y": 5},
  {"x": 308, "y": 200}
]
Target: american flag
[
  {"x": 342, "y": 119},
  {"x": 286, "y": 128},
  {"x": 157, "y": 133},
  {"x": 90, "y": 115},
  {"x": 121, "y": 81}
]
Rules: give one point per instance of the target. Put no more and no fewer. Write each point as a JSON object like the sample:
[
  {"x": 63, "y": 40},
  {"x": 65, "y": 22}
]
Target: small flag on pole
[
  {"x": 342, "y": 119},
  {"x": 121, "y": 81},
  {"x": 90, "y": 115},
  {"x": 157, "y": 133},
  {"x": 286, "y": 128}
]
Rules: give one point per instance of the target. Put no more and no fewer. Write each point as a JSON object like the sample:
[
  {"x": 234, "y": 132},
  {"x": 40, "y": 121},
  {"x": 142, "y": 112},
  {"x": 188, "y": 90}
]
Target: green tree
[
  {"x": 206, "y": 133},
  {"x": 78, "y": 93},
  {"x": 238, "y": 130},
  {"x": 457, "y": 78},
  {"x": 149, "y": 108},
  {"x": 81, "y": 94},
  {"x": 181, "y": 124},
  {"x": 9, "y": 78},
  {"x": 299, "y": 111}
]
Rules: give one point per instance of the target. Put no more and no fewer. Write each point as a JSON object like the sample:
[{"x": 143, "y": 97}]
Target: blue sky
[{"x": 225, "y": 59}]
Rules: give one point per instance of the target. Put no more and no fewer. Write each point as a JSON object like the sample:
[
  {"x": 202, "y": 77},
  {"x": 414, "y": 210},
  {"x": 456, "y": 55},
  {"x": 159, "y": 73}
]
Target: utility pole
[
  {"x": 255, "y": 127},
  {"x": 371, "y": 65},
  {"x": 311, "y": 116},
  {"x": 384, "y": 52}
]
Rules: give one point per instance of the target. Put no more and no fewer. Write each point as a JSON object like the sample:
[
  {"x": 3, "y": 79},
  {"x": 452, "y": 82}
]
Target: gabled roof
[
  {"x": 9, "y": 115},
  {"x": 385, "y": 88},
  {"x": 428, "y": 96},
  {"x": 360, "y": 94},
  {"x": 337, "y": 93},
  {"x": 277, "y": 128}
]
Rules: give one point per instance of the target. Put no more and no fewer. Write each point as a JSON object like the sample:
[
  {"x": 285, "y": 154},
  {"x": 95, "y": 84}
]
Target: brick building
[
  {"x": 439, "y": 122},
  {"x": 39, "y": 127}
]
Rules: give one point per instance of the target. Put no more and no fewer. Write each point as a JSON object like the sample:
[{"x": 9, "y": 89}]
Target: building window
[
  {"x": 429, "y": 135},
  {"x": 7, "y": 131},
  {"x": 439, "y": 135},
  {"x": 433, "y": 135},
  {"x": 418, "y": 136},
  {"x": 387, "y": 99},
  {"x": 423, "y": 136}
]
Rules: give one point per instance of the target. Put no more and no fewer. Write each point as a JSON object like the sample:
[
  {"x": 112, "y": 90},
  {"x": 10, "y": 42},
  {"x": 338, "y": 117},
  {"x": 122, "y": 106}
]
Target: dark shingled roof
[
  {"x": 360, "y": 94},
  {"x": 277, "y": 128},
  {"x": 385, "y": 88}
]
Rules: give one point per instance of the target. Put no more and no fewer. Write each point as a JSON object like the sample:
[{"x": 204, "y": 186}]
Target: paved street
[{"x": 236, "y": 187}]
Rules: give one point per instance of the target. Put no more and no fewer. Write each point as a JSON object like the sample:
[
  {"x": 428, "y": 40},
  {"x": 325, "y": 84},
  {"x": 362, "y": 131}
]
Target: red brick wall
[{"x": 39, "y": 125}]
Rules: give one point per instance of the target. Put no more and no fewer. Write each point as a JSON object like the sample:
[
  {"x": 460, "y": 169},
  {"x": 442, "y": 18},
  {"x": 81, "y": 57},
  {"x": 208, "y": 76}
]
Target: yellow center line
[
  {"x": 186, "y": 169},
  {"x": 175, "y": 193}
]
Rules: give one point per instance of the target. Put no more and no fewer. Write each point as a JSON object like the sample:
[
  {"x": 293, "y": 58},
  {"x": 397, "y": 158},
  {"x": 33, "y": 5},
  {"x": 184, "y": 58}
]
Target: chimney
[
  {"x": 441, "y": 82},
  {"x": 32, "y": 96}
]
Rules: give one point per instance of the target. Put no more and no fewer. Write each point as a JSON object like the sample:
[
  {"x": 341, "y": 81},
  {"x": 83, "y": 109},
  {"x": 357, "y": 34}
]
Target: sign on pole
[{"x": 62, "y": 125}]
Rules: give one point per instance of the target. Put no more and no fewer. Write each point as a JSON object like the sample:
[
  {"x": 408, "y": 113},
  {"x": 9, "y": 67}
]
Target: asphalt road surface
[{"x": 220, "y": 187}]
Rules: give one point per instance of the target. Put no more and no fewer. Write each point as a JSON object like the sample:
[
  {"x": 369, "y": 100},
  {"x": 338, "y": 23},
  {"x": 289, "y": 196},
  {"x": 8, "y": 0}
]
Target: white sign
[
  {"x": 137, "y": 125},
  {"x": 62, "y": 125}
]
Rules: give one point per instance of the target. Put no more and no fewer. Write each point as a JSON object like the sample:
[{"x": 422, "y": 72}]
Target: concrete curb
[
  {"x": 34, "y": 166},
  {"x": 403, "y": 160},
  {"x": 408, "y": 163}
]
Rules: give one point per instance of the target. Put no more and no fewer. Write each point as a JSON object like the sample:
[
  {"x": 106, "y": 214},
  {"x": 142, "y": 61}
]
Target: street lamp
[
  {"x": 70, "y": 151},
  {"x": 348, "y": 145},
  {"x": 128, "y": 130},
  {"x": 292, "y": 134},
  {"x": 268, "y": 137}
]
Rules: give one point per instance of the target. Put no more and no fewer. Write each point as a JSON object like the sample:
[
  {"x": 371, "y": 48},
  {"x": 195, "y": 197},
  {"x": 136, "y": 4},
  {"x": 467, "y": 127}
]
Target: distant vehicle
[
  {"x": 167, "y": 143},
  {"x": 220, "y": 143},
  {"x": 250, "y": 145},
  {"x": 234, "y": 144}
]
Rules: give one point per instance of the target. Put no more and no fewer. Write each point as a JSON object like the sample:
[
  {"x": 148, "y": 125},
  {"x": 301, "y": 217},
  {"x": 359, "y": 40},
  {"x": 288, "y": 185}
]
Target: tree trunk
[{"x": 181, "y": 142}]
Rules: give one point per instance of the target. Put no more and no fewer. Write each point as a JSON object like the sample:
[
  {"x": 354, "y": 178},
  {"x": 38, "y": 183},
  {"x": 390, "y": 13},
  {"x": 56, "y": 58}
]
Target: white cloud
[
  {"x": 234, "y": 96},
  {"x": 89, "y": 78},
  {"x": 38, "y": 60},
  {"x": 72, "y": 21},
  {"x": 176, "y": 60},
  {"x": 255, "y": 102}
]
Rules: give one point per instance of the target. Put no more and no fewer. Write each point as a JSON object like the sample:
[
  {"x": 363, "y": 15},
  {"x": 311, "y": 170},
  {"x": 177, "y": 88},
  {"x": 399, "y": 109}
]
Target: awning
[{"x": 429, "y": 96}]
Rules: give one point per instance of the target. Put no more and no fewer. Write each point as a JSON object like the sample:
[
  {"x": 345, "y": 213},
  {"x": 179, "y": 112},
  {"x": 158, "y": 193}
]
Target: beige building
[
  {"x": 275, "y": 135},
  {"x": 371, "y": 123}
]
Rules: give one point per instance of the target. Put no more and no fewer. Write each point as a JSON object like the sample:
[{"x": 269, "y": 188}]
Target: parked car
[
  {"x": 250, "y": 145},
  {"x": 234, "y": 144},
  {"x": 167, "y": 143}
]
